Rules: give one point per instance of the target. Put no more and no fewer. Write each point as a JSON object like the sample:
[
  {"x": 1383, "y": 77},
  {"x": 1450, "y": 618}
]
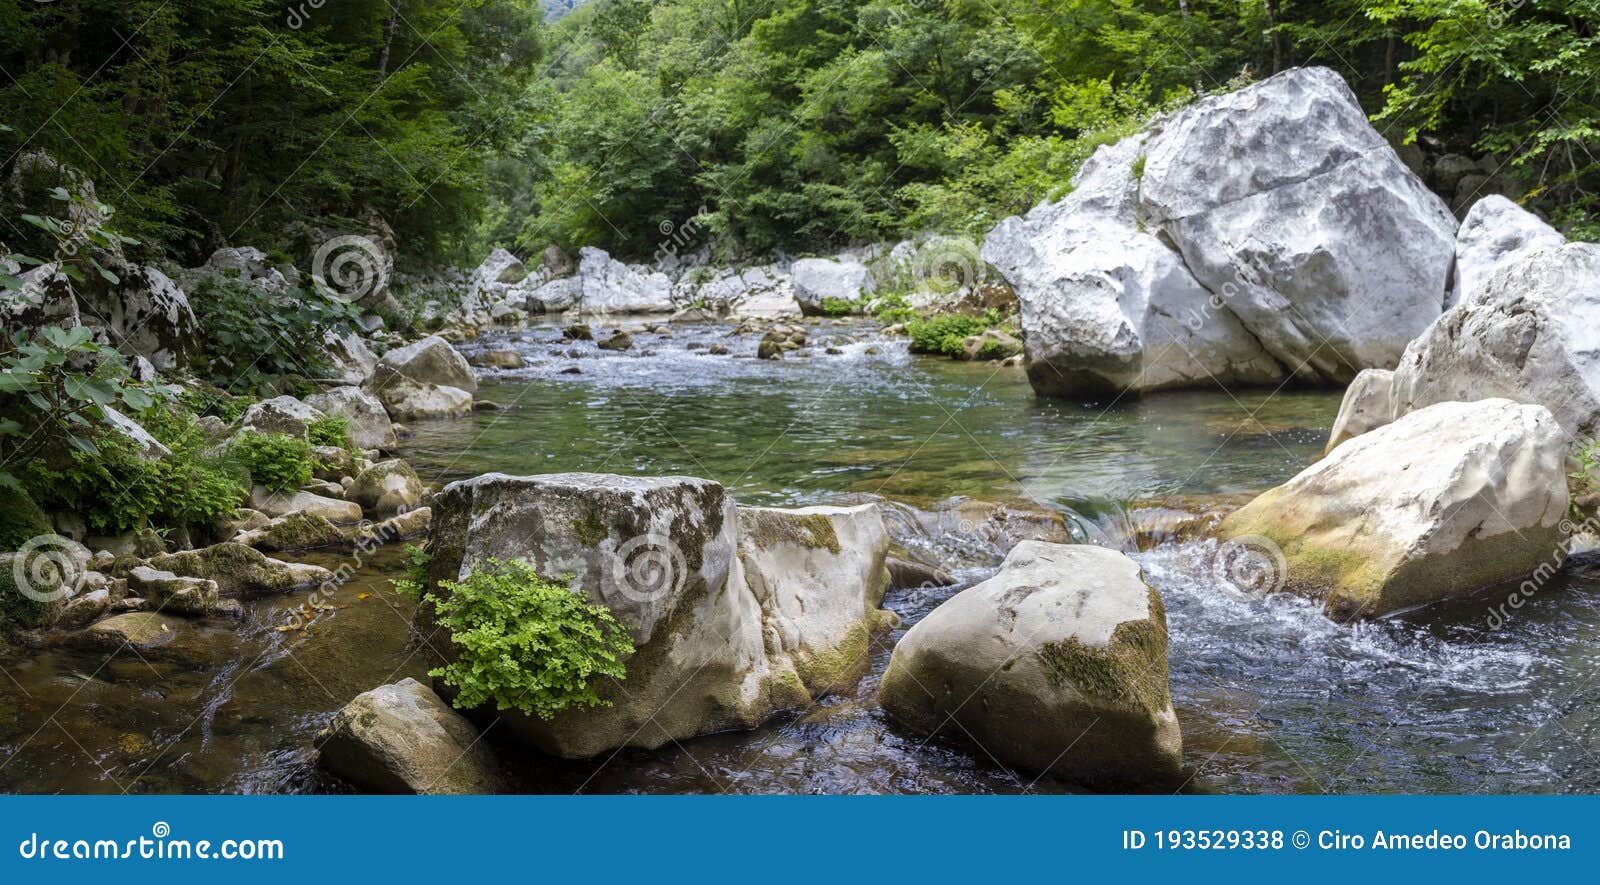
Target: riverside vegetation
[{"x": 217, "y": 367}]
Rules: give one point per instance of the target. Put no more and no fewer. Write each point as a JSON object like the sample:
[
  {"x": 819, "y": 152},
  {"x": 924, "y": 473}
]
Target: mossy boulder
[
  {"x": 296, "y": 531},
  {"x": 386, "y": 488},
  {"x": 659, "y": 553},
  {"x": 818, "y": 574},
  {"x": 1056, "y": 665},
  {"x": 402, "y": 738},
  {"x": 241, "y": 571},
  {"x": 21, "y": 520},
  {"x": 1443, "y": 502}
]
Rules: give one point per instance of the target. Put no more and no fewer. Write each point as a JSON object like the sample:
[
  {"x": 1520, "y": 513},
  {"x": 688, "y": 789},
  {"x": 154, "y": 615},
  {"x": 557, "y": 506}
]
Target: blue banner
[{"x": 707, "y": 839}]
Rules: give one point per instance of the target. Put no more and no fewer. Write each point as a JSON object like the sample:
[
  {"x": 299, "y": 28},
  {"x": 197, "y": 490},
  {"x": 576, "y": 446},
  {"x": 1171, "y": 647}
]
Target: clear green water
[{"x": 1272, "y": 697}]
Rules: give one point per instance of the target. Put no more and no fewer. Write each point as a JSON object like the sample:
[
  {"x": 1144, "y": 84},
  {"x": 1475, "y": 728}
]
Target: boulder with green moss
[
  {"x": 1445, "y": 501},
  {"x": 1056, "y": 665},
  {"x": 21, "y": 520},
  {"x": 818, "y": 574},
  {"x": 386, "y": 488},
  {"x": 402, "y": 738},
  {"x": 660, "y": 554},
  {"x": 295, "y": 531},
  {"x": 276, "y": 504},
  {"x": 240, "y": 571}
]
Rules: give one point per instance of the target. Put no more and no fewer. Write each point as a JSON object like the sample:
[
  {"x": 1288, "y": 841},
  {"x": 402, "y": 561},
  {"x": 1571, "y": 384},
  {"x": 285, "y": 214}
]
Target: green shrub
[
  {"x": 255, "y": 337},
  {"x": 330, "y": 431},
  {"x": 837, "y": 307},
  {"x": 119, "y": 489},
  {"x": 525, "y": 643},
  {"x": 943, "y": 333},
  {"x": 280, "y": 462}
]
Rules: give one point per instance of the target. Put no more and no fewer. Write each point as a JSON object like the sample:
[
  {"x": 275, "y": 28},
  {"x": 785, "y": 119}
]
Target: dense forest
[{"x": 769, "y": 124}]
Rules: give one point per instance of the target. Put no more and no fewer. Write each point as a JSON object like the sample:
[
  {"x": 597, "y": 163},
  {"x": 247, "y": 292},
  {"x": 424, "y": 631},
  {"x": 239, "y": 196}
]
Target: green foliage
[
  {"x": 280, "y": 462},
  {"x": 119, "y": 488},
  {"x": 942, "y": 333},
  {"x": 255, "y": 338},
  {"x": 838, "y": 307},
  {"x": 525, "y": 643},
  {"x": 330, "y": 431},
  {"x": 1584, "y": 482},
  {"x": 414, "y": 579}
]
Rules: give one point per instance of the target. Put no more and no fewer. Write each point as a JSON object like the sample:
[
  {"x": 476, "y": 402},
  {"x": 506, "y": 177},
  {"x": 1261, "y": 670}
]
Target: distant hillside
[{"x": 554, "y": 10}]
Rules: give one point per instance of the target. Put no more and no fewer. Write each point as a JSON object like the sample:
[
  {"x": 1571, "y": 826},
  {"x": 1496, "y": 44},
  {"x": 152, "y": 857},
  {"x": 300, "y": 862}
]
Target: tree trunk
[{"x": 388, "y": 37}]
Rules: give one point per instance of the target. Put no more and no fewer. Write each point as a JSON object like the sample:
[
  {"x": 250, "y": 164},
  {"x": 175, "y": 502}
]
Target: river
[{"x": 1272, "y": 697}]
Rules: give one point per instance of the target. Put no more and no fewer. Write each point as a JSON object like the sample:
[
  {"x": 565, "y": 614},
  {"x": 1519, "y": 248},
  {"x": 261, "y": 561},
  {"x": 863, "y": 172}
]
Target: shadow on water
[{"x": 1272, "y": 696}]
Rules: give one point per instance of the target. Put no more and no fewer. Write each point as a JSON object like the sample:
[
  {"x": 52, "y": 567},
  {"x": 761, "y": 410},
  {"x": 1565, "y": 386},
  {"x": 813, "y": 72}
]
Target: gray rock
[
  {"x": 281, "y": 414},
  {"x": 402, "y": 738},
  {"x": 609, "y": 286},
  {"x": 240, "y": 571},
  {"x": 275, "y": 504},
  {"x": 169, "y": 593},
  {"x": 405, "y": 398},
  {"x": 369, "y": 423},
  {"x": 1056, "y": 665},
  {"x": 387, "y": 488},
  {"x": 429, "y": 361}
]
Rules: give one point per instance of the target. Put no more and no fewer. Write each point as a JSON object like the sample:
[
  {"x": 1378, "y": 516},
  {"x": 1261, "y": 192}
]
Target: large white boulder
[
  {"x": 1530, "y": 333},
  {"x": 1494, "y": 232},
  {"x": 369, "y": 424},
  {"x": 1443, "y": 502},
  {"x": 1105, "y": 305},
  {"x": 609, "y": 286},
  {"x": 281, "y": 414},
  {"x": 1056, "y": 665},
  {"x": 1266, "y": 233},
  {"x": 1288, "y": 205},
  {"x": 816, "y": 280},
  {"x": 402, "y": 738}
]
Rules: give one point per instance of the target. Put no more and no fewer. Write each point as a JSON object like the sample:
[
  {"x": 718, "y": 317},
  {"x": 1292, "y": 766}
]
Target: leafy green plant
[
  {"x": 257, "y": 337},
  {"x": 525, "y": 643},
  {"x": 837, "y": 307},
  {"x": 330, "y": 431},
  {"x": 943, "y": 333},
  {"x": 280, "y": 462}
]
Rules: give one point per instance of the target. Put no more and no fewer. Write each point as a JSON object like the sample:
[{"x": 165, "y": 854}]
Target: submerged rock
[
  {"x": 241, "y": 572},
  {"x": 1056, "y": 665},
  {"x": 1442, "y": 502},
  {"x": 402, "y": 738}
]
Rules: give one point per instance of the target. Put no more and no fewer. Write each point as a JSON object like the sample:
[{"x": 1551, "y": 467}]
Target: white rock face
[
  {"x": 370, "y": 427},
  {"x": 609, "y": 286},
  {"x": 1304, "y": 222},
  {"x": 429, "y": 361},
  {"x": 818, "y": 574},
  {"x": 1107, "y": 306},
  {"x": 352, "y": 360},
  {"x": 555, "y": 296},
  {"x": 144, "y": 315},
  {"x": 1057, "y": 664},
  {"x": 402, "y": 738},
  {"x": 1530, "y": 333},
  {"x": 667, "y": 557},
  {"x": 1253, "y": 236},
  {"x": 1495, "y": 232},
  {"x": 817, "y": 279},
  {"x": 1368, "y": 404},
  {"x": 1442, "y": 502}
]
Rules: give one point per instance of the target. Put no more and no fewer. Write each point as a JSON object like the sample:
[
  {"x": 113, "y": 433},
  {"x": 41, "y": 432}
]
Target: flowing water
[{"x": 1272, "y": 696}]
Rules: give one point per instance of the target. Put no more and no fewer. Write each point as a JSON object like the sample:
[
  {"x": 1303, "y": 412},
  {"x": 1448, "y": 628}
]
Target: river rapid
[{"x": 1272, "y": 696}]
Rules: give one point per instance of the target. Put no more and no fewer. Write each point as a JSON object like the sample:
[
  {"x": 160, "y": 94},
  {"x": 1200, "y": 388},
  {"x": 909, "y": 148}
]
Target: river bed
[{"x": 1272, "y": 696}]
